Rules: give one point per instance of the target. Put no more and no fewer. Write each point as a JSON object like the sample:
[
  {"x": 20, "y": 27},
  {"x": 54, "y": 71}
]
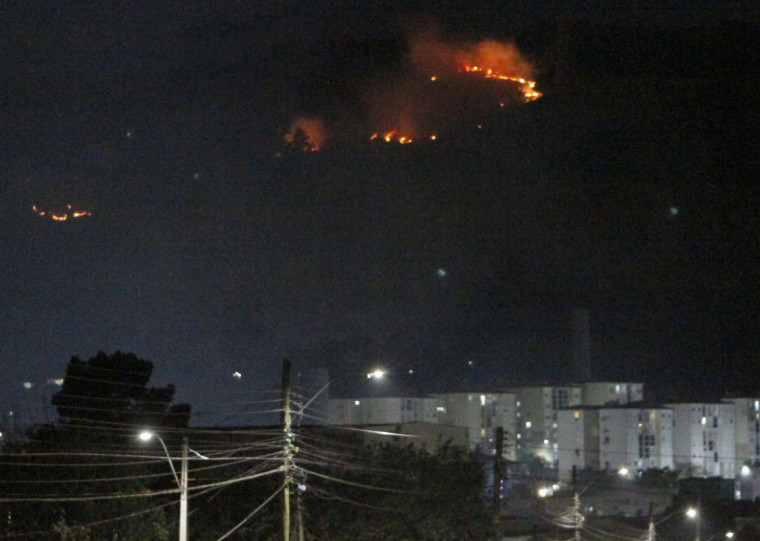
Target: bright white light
[
  {"x": 237, "y": 375},
  {"x": 704, "y": 420},
  {"x": 623, "y": 471},
  {"x": 528, "y": 424},
  {"x": 145, "y": 435},
  {"x": 691, "y": 512},
  {"x": 543, "y": 492},
  {"x": 746, "y": 470},
  {"x": 729, "y": 535},
  {"x": 356, "y": 402},
  {"x": 28, "y": 385},
  {"x": 377, "y": 374}
]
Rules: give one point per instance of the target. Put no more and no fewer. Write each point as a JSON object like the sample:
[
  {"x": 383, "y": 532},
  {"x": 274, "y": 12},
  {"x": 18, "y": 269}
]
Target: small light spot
[
  {"x": 237, "y": 375},
  {"x": 674, "y": 211},
  {"x": 129, "y": 133},
  {"x": 441, "y": 273},
  {"x": 28, "y": 385},
  {"x": 196, "y": 176}
]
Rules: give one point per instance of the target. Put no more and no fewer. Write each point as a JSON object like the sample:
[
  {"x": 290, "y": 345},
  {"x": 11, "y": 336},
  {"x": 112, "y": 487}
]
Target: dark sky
[{"x": 629, "y": 188}]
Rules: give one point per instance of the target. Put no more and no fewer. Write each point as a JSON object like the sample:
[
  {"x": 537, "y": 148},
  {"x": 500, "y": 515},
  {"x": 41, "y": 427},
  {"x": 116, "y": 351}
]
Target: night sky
[{"x": 629, "y": 189}]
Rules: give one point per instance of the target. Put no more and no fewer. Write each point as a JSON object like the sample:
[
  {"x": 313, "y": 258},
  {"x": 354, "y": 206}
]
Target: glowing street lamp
[
  {"x": 693, "y": 512},
  {"x": 376, "y": 374},
  {"x": 146, "y": 435},
  {"x": 727, "y": 535}
]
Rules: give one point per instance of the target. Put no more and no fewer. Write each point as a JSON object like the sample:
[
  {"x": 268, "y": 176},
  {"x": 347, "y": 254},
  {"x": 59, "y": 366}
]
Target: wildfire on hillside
[
  {"x": 59, "y": 216},
  {"x": 450, "y": 87},
  {"x": 442, "y": 89},
  {"x": 306, "y": 133}
]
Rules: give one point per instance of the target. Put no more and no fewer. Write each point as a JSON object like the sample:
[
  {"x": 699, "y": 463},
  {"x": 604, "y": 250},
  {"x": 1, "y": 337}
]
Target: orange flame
[
  {"x": 61, "y": 217},
  {"x": 526, "y": 87}
]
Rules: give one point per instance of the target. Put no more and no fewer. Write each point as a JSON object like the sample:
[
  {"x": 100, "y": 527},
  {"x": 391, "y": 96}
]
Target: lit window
[
  {"x": 576, "y": 415},
  {"x": 528, "y": 424},
  {"x": 356, "y": 402}
]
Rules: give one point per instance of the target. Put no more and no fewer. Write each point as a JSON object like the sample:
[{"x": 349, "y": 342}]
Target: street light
[
  {"x": 146, "y": 435},
  {"x": 693, "y": 512},
  {"x": 376, "y": 374},
  {"x": 727, "y": 535}
]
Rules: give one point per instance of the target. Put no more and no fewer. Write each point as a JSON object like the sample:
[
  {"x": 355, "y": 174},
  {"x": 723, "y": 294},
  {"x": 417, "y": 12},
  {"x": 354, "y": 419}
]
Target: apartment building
[
  {"x": 631, "y": 437},
  {"x": 606, "y": 393},
  {"x": 537, "y": 408},
  {"x": 482, "y": 414},
  {"x": 704, "y": 438},
  {"x": 746, "y": 429}
]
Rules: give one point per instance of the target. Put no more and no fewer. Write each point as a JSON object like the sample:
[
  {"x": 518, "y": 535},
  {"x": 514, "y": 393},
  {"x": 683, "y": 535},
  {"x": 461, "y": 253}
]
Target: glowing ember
[{"x": 61, "y": 216}]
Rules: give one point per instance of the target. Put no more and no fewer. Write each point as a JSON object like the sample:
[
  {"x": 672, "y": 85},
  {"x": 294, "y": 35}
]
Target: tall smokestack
[{"x": 581, "y": 355}]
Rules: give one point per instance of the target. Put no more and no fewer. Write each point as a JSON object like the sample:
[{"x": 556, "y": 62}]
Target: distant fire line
[
  {"x": 527, "y": 87},
  {"x": 58, "y": 217}
]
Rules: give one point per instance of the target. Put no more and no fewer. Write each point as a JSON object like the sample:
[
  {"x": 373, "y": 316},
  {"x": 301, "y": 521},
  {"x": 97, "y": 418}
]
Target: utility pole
[
  {"x": 651, "y": 535},
  {"x": 183, "y": 493},
  {"x": 288, "y": 449},
  {"x": 577, "y": 517},
  {"x": 497, "y": 477}
]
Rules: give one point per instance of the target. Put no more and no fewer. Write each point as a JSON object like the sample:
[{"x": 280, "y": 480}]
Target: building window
[{"x": 560, "y": 398}]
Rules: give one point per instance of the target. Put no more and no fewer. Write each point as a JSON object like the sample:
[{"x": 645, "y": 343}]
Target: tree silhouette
[{"x": 112, "y": 390}]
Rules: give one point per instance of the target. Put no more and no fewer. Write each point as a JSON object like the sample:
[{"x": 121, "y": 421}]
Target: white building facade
[
  {"x": 704, "y": 439},
  {"x": 607, "y": 393},
  {"x": 613, "y": 438},
  {"x": 746, "y": 429},
  {"x": 537, "y": 422},
  {"x": 482, "y": 414}
]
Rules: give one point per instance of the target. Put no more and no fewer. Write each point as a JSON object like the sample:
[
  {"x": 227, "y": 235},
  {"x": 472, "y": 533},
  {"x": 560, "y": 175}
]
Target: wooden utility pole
[
  {"x": 498, "y": 475},
  {"x": 288, "y": 449}
]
